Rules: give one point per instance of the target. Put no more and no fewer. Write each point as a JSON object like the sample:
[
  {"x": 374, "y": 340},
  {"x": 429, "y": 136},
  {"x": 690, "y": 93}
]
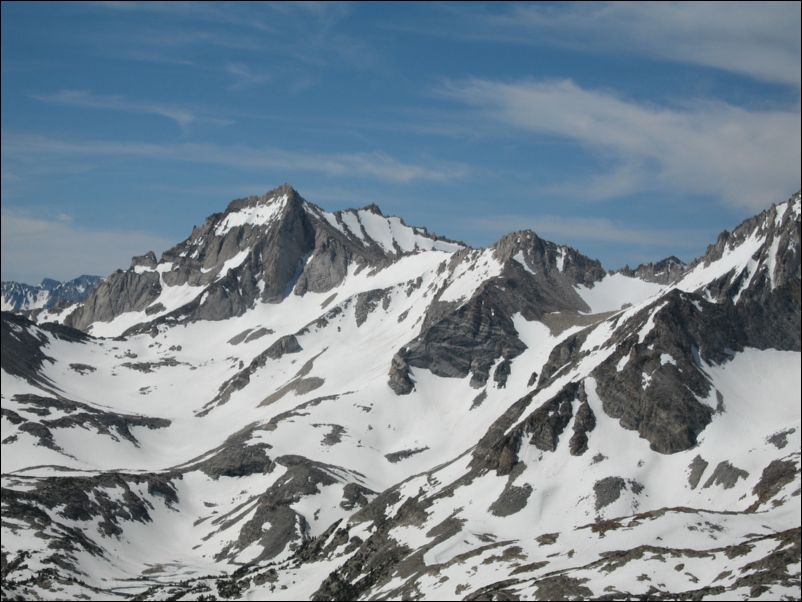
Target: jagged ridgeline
[
  {"x": 299, "y": 404},
  {"x": 50, "y": 294}
]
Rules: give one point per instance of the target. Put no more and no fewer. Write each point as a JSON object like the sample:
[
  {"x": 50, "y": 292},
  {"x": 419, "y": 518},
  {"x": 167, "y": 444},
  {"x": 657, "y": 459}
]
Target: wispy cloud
[
  {"x": 594, "y": 229},
  {"x": 182, "y": 116},
  {"x": 704, "y": 147},
  {"x": 325, "y": 11},
  {"x": 376, "y": 164},
  {"x": 244, "y": 76},
  {"x": 34, "y": 248},
  {"x": 215, "y": 12},
  {"x": 759, "y": 40},
  {"x": 246, "y": 24}
]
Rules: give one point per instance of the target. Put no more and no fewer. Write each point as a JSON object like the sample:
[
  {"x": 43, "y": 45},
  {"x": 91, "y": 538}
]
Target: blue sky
[{"x": 630, "y": 131}]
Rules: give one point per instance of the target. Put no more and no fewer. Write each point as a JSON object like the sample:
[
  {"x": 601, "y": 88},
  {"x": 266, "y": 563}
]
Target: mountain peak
[
  {"x": 665, "y": 271},
  {"x": 540, "y": 256},
  {"x": 511, "y": 243},
  {"x": 49, "y": 283},
  {"x": 394, "y": 378},
  {"x": 281, "y": 194},
  {"x": 260, "y": 249},
  {"x": 373, "y": 208}
]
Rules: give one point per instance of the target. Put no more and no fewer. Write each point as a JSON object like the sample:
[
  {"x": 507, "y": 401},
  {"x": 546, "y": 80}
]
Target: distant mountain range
[
  {"x": 17, "y": 296},
  {"x": 299, "y": 404}
]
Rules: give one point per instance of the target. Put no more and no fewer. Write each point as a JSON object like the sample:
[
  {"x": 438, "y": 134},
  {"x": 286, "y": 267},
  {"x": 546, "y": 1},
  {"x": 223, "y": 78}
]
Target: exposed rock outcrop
[{"x": 665, "y": 271}]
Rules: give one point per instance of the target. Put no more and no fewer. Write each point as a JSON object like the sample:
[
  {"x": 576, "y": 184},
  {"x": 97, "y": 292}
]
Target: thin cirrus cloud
[
  {"x": 87, "y": 100},
  {"x": 375, "y": 165},
  {"x": 592, "y": 229},
  {"x": 244, "y": 76},
  {"x": 738, "y": 155},
  {"x": 227, "y": 13},
  {"x": 245, "y": 27},
  {"x": 757, "y": 39},
  {"x": 34, "y": 248}
]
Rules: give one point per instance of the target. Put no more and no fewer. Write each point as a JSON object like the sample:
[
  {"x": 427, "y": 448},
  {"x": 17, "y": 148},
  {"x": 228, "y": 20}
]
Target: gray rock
[
  {"x": 546, "y": 259},
  {"x": 47, "y": 501},
  {"x": 459, "y": 339},
  {"x": 20, "y": 297},
  {"x": 780, "y": 439},
  {"x": 726, "y": 475},
  {"x": 282, "y": 346},
  {"x": 498, "y": 448},
  {"x": 513, "y": 499},
  {"x": 403, "y": 454},
  {"x": 298, "y": 251},
  {"x": 239, "y": 338},
  {"x": 502, "y": 372},
  {"x": 355, "y": 496},
  {"x": 608, "y": 490},
  {"x": 273, "y": 509},
  {"x": 76, "y": 414},
  {"x": 368, "y": 301},
  {"x": 584, "y": 422},
  {"x": 547, "y": 422},
  {"x": 782, "y": 235},
  {"x": 148, "y": 260},
  {"x": 400, "y": 380},
  {"x": 477, "y": 401},
  {"x": 258, "y": 334},
  {"x": 120, "y": 293},
  {"x": 697, "y": 468},
  {"x": 774, "y": 477},
  {"x": 665, "y": 271},
  {"x": 22, "y": 344},
  {"x": 668, "y": 412}
]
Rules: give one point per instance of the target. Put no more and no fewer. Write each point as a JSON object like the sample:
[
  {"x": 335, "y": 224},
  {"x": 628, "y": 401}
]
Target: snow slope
[{"x": 266, "y": 454}]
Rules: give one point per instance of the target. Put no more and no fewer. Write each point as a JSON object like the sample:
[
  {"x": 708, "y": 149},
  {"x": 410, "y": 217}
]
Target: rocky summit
[{"x": 295, "y": 404}]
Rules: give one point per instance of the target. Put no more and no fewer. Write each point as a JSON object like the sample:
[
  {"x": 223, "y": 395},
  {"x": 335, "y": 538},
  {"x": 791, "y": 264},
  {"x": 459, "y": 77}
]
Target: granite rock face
[
  {"x": 542, "y": 428},
  {"x": 653, "y": 383},
  {"x": 553, "y": 266},
  {"x": 121, "y": 292},
  {"x": 665, "y": 271},
  {"x": 654, "y": 379},
  {"x": 773, "y": 236},
  {"x": 536, "y": 278},
  {"x": 260, "y": 249},
  {"x": 234, "y": 436}
]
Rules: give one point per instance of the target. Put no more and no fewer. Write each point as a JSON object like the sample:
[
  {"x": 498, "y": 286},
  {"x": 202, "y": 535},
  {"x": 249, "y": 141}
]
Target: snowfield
[{"x": 276, "y": 453}]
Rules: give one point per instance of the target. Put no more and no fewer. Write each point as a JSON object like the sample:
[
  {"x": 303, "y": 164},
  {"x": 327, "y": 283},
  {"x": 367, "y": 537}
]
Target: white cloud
[
  {"x": 34, "y": 248},
  {"x": 244, "y": 76},
  {"x": 377, "y": 164},
  {"x": 582, "y": 229},
  {"x": 87, "y": 100},
  {"x": 315, "y": 23},
  {"x": 756, "y": 39},
  {"x": 227, "y": 13},
  {"x": 760, "y": 40},
  {"x": 746, "y": 157}
]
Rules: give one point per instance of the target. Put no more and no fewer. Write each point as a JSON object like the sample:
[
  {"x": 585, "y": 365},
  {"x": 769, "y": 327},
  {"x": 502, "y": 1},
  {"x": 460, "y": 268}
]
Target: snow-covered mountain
[
  {"x": 297, "y": 404},
  {"x": 17, "y": 296}
]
